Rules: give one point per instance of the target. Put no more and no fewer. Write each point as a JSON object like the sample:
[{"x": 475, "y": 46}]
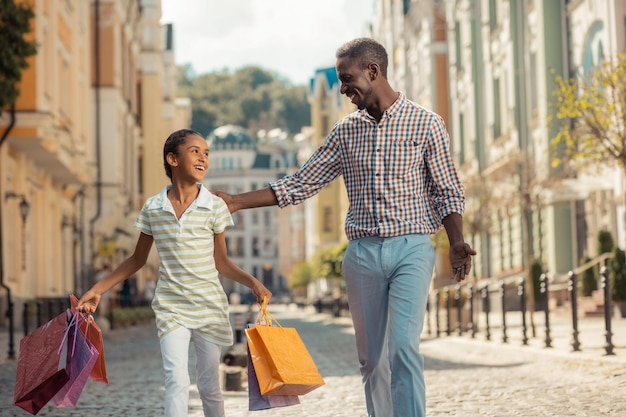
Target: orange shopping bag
[
  {"x": 92, "y": 332},
  {"x": 281, "y": 361}
]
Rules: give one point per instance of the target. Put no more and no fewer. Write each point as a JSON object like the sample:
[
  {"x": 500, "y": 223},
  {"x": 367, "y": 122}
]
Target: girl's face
[{"x": 192, "y": 161}]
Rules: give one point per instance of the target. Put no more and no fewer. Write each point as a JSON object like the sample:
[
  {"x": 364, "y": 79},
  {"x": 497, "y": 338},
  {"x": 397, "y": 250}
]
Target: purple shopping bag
[
  {"x": 81, "y": 358},
  {"x": 41, "y": 369},
  {"x": 256, "y": 401}
]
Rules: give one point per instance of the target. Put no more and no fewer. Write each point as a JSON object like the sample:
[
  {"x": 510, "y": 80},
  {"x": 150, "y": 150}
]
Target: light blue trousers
[
  {"x": 388, "y": 280},
  {"x": 175, "y": 353}
]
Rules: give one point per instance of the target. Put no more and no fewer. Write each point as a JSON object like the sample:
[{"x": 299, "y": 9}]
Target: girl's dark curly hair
[{"x": 174, "y": 140}]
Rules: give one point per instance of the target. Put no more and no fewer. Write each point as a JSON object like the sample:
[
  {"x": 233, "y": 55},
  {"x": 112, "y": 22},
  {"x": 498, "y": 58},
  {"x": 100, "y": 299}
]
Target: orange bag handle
[{"x": 265, "y": 317}]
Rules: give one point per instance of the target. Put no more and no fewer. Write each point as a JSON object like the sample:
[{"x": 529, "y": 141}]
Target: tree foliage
[
  {"x": 250, "y": 97},
  {"x": 301, "y": 275},
  {"x": 327, "y": 261},
  {"x": 14, "y": 23},
  {"x": 591, "y": 116}
]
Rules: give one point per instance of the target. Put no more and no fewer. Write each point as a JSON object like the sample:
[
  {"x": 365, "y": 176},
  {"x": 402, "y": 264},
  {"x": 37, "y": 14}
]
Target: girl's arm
[
  {"x": 228, "y": 269},
  {"x": 89, "y": 301}
]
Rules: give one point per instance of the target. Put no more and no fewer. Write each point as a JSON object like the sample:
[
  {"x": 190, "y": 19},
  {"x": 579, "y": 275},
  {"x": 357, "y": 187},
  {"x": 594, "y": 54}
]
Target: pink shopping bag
[
  {"x": 81, "y": 357},
  {"x": 41, "y": 369}
]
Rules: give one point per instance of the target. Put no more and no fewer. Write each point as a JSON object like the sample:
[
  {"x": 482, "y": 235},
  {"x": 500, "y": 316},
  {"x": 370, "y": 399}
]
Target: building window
[
  {"x": 493, "y": 14},
  {"x": 533, "y": 83},
  {"x": 461, "y": 138},
  {"x": 457, "y": 41},
  {"x": 328, "y": 220},
  {"x": 255, "y": 247},
  {"x": 497, "y": 122},
  {"x": 267, "y": 219}
]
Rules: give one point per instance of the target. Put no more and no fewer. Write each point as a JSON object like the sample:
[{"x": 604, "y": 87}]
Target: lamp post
[{"x": 24, "y": 209}]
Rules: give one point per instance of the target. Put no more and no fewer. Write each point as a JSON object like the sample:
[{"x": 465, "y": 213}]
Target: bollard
[
  {"x": 25, "y": 318},
  {"x": 446, "y": 296},
  {"x": 608, "y": 310},
  {"x": 10, "y": 315},
  {"x": 238, "y": 325},
  {"x": 484, "y": 294},
  {"x": 50, "y": 310},
  {"x": 572, "y": 287},
  {"x": 505, "y": 338},
  {"x": 543, "y": 280},
  {"x": 459, "y": 316},
  {"x": 521, "y": 291},
  {"x": 437, "y": 323},
  {"x": 471, "y": 325},
  {"x": 39, "y": 312}
]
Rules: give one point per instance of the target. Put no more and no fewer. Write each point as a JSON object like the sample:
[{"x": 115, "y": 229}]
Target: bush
[
  {"x": 617, "y": 266},
  {"x": 605, "y": 242},
  {"x": 588, "y": 279},
  {"x": 130, "y": 316},
  {"x": 537, "y": 270}
]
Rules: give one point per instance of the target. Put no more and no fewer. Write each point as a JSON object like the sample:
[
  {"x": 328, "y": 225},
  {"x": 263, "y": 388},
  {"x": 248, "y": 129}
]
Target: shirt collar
[
  {"x": 389, "y": 111},
  {"x": 160, "y": 201}
]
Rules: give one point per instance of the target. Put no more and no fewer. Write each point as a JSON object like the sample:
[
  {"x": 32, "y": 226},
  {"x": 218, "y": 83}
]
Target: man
[{"x": 402, "y": 186}]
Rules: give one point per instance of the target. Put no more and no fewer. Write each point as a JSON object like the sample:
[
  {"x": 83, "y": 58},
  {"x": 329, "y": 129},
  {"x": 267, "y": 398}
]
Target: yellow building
[
  {"x": 325, "y": 213},
  {"x": 96, "y": 104}
]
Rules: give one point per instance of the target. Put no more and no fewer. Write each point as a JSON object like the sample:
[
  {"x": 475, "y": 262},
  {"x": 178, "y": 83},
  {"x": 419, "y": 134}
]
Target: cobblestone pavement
[{"x": 464, "y": 376}]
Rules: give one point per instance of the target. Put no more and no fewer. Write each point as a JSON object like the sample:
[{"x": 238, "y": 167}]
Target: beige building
[
  {"x": 96, "y": 104},
  {"x": 325, "y": 213}
]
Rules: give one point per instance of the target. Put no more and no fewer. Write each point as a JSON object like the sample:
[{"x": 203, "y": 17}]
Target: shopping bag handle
[{"x": 265, "y": 317}]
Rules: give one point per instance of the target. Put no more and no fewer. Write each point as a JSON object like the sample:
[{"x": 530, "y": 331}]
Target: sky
[{"x": 290, "y": 37}]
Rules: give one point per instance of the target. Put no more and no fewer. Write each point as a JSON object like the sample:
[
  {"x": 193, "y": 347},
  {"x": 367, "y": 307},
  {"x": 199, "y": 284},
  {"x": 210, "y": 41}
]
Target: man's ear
[{"x": 373, "y": 70}]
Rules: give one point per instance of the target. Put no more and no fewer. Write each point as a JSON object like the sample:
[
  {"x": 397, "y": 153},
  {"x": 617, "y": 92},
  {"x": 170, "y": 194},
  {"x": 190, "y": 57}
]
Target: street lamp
[{"x": 24, "y": 210}]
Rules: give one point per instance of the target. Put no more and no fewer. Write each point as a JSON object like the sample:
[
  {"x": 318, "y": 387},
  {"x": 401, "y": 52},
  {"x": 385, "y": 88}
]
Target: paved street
[{"x": 464, "y": 377}]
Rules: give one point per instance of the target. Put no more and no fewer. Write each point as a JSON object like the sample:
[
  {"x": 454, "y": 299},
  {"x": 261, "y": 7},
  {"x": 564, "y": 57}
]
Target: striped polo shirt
[
  {"x": 398, "y": 172},
  {"x": 188, "y": 292}
]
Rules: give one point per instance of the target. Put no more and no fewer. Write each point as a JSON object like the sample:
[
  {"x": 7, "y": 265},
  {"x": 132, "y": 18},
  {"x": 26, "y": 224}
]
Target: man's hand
[
  {"x": 461, "y": 260},
  {"x": 228, "y": 199}
]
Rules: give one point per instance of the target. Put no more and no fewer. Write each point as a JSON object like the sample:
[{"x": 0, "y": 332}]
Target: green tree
[
  {"x": 617, "y": 266},
  {"x": 301, "y": 275},
  {"x": 589, "y": 280},
  {"x": 250, "y": 97},
  {"x": 14, "y": 24},
  {"x": 591, "y": 117}
]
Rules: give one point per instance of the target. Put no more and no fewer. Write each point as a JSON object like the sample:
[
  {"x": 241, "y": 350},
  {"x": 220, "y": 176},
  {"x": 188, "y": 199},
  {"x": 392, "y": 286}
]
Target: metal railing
[{"x": 456, "y": 306}]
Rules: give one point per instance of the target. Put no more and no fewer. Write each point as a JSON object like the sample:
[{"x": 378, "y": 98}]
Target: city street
[{"x": 465, "y": 377}]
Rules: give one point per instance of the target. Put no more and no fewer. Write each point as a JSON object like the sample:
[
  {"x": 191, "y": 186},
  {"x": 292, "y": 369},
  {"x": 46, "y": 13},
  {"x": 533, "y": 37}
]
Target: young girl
[{"x": 187, "y": 224}]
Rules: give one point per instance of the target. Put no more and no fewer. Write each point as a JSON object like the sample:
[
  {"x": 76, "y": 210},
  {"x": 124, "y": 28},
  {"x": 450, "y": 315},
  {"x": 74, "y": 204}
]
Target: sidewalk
[{"x": 465, "y": 377}]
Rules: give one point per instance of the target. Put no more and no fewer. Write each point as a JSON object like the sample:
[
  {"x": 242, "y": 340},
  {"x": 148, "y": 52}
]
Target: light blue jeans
[
  {"x": 388, "y": 280},
  {"x": 175, "y": 353}
]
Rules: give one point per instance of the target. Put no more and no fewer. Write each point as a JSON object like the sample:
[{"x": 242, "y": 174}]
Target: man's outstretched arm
[{"x": 252, "y": 199}]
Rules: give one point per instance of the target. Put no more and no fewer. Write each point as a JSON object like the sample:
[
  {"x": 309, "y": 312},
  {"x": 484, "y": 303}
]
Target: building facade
[
  {"x": 239, "y": 162},
  {"x": 502, "y": 58},
  {"x": 95, "y": 101}
]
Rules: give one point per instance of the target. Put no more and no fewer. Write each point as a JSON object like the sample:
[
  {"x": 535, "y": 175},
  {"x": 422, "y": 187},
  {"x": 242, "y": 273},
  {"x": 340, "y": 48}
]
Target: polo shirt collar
[{"x": 160, "y": 201}]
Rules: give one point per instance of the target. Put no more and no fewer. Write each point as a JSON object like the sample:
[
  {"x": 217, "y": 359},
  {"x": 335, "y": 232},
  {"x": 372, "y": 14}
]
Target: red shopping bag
[
  {"x": 81, "y": 358},
  {"x": 257, "y": 401},
  {"x": 92, "y": 331},
  {"x": 41, "y": 368}
]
